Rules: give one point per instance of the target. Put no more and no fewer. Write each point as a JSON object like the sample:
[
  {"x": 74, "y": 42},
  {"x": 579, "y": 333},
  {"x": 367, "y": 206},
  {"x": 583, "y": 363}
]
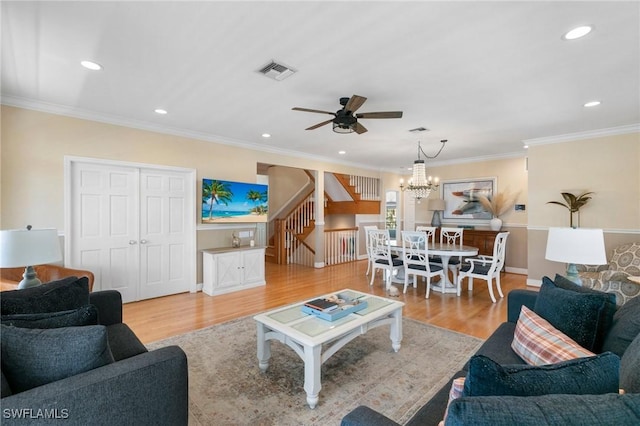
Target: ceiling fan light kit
[{"x": 345, "y": 121}]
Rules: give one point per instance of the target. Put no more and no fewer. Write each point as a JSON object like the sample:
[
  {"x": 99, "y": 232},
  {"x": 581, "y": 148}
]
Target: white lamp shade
[
  {"x": 22, "y": 247},
  {"x": 579, "y": 245},
  {"x": 435, "y": 204}
]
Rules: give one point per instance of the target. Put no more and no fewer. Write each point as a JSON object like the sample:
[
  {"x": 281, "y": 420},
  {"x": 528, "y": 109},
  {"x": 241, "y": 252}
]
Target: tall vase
[{"x": 495, "y": 224}]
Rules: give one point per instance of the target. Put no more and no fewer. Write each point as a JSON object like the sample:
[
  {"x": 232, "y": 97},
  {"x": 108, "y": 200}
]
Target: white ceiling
[{"x": 484, "y": 75}]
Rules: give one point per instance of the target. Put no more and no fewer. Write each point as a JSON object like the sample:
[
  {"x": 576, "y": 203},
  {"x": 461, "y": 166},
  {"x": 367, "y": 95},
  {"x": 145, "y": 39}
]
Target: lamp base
[
  {"x": 435, "y": 219},
  {"x": 572, "y": 274},
  {"x": 30, "y": 278}
]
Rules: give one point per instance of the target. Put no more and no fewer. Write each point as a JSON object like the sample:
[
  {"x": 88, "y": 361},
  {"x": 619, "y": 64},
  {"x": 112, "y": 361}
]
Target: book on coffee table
[{"x": 322, "y": 305}]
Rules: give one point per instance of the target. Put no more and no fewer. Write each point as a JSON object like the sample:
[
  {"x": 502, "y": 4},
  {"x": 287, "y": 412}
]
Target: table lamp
[
  {"x": 28, "y": 247},
  {"x": 576, "y": 245},
  {"x": 436, "y": 205}
]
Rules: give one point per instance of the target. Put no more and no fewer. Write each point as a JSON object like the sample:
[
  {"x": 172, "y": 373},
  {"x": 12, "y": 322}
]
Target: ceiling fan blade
[
  {"x": 359, "y": 128},
  {"x": 319, "y": 124},
  {"x": 313, "y": 110},
  {"x": 382, "y": 114},
  {"x": 354, "y": 103}
]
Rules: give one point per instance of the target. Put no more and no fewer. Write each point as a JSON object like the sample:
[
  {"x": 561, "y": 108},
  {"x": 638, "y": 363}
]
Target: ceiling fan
[{"x": 345, "y": 121}]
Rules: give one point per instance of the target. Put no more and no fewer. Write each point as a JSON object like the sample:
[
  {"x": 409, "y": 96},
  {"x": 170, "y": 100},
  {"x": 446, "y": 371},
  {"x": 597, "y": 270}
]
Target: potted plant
[
  {"x": 573, "y": 204},
  {"x": 497, "y": 205}
]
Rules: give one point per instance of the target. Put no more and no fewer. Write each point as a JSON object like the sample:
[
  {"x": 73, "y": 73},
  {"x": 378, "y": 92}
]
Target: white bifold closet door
[{"x": 133, "y": 227}]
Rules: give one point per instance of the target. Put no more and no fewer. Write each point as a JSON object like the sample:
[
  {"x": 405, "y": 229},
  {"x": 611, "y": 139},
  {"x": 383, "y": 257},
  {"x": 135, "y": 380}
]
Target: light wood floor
[{"x": 472, "y": 313}]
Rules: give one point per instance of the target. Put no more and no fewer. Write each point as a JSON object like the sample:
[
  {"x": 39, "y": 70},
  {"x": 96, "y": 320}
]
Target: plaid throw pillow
[
  {"x": 457, "y": 386},
  {"x": 537, "y": 342}
]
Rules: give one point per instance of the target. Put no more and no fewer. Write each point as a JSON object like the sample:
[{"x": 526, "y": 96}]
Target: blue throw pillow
[
  {"x": 86, "y": 315},
  {"x": 610, "y": 307},
  {"x": 630, "y": 368},
  {"x": 63, "y": 295},
  {"x": 34, "y": 357},
  {"x": 592, "y": 375},
  {"x": 565, "y": 410},
  {"x": 626, "y": 326},
  {"x": 578, "y": 315}
]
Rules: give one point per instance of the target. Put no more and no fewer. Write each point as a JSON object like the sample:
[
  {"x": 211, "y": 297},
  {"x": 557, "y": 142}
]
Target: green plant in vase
[{"x": 573, "y": 204}]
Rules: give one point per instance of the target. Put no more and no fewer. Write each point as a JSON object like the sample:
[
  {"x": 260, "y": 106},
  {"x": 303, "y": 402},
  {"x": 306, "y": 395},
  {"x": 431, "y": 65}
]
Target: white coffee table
[{"x": 306, "y": 334}]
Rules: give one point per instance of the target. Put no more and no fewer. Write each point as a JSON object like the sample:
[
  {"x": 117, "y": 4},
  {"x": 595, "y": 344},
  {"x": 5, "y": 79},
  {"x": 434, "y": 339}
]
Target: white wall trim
[
  {"x": 519, "y": 271},
  {"x": 606, "y": 231},
  {"x": 591, "y": 134},
  {"x": 534, "y": 283},
  {"x": 66, "y": 111}
]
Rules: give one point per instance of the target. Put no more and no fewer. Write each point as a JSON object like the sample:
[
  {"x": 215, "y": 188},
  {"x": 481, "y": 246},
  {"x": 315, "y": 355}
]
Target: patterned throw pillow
[
  {"x": 457, "y": 386},
  {"x": 537, "y": 342}
]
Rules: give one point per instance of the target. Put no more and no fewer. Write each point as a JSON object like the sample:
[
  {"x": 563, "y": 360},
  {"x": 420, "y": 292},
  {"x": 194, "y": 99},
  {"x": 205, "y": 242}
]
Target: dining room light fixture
[{"x": 420, "y": 184}]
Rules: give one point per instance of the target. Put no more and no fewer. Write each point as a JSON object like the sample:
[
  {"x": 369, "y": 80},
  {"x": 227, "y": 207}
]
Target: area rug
[{"x": 226, "y": 387}]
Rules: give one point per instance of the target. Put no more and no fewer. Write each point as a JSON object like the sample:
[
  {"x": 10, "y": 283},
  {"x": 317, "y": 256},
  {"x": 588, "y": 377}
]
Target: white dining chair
[
  {"x": 381, "y": 256},
  {"x": 451, "y": 236},
  {"x": 430, "y": 231},
  {"x": 415, "y": 256},
  {"x": 368, "y": 228},
  {"x": 486, "y": 267}
]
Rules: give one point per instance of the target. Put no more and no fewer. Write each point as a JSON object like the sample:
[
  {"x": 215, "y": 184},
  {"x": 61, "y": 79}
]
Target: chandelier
[{"x": 420, "y": 184}]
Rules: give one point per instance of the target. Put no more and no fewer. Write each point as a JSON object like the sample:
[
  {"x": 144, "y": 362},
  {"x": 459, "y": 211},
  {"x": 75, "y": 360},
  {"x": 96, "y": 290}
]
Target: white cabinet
[{"x": 232, "y": 269}]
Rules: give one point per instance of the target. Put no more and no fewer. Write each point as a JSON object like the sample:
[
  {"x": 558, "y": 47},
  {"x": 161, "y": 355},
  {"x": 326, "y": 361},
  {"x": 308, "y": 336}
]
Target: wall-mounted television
[{"x": 225, "y": 201}]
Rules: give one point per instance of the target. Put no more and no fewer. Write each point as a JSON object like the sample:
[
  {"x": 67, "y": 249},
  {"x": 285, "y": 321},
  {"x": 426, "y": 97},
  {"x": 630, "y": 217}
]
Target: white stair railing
[
  {"x": 367, "y": 187},
  {"x": 295, "y": 224},
  {"x": 340, "y": 245}
]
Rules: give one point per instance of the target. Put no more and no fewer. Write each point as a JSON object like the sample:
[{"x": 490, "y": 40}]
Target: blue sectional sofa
[
  {"x": 67, "y": 357},
  {"x": 619, "y": 334}
]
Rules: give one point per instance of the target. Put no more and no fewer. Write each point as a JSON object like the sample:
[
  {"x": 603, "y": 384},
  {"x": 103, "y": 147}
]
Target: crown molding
[
  {"x": 143, "y": 125},
  {"x": 591, "y": 134}
]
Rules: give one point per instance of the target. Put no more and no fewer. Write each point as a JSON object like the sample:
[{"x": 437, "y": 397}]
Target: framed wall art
[{"x": 460, "y": 197}]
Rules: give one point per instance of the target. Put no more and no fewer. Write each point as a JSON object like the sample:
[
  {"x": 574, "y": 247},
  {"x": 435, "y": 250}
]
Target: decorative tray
[{"x": 345, "y": 304}]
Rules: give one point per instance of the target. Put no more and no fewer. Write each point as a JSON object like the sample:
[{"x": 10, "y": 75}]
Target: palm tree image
[
  {"x": 215, "y": 192},
  {"x": 258, "y": 197}
]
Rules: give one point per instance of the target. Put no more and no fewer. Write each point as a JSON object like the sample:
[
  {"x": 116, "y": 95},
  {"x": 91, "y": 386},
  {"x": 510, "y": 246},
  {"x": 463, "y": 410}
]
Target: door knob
[
  {"x": 133, "y": 242},
  {"x": 143, "y": 241}
]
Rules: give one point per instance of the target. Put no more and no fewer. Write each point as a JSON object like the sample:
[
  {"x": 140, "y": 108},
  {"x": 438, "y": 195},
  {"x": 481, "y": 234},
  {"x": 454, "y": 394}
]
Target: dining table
[{"x": 446, "y": 251}]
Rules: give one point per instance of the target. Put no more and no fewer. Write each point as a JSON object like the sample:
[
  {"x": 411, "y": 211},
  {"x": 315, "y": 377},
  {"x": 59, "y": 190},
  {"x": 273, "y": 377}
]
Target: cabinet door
[
  {"x": 229, "y": 270},
  {"x": 253, "y": 266}
]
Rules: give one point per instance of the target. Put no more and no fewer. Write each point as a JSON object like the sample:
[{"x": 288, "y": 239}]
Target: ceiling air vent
[
  {"x": 276, "y": 71},
  {"x": 419, "y": 129}
]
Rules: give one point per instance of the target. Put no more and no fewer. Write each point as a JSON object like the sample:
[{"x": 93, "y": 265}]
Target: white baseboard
[
  {"x": 318, "y": 265},
  {"x": 534, "y": 283},
  {"x": 519, "y": 271}
]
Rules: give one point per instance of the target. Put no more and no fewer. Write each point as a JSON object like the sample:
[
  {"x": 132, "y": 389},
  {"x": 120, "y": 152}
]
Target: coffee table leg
[
  {"x": 264, "y": 348},
  {"x": 312, "y": 363},
  {"x": 396, "y": 330}
]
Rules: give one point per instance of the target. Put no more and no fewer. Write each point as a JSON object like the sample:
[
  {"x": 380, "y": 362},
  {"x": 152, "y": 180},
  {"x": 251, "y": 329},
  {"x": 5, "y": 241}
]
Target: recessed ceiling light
[
  {"x": 266, "y": 135},
  {"x": 160, "y": 111},
  {"x": 592, "y": 104},
  {"x": 91, "y": 65},
  {"x": 526, "y": 146},
  {"x": 342, "y": 152},
  {"x": 578, "y": 32}
]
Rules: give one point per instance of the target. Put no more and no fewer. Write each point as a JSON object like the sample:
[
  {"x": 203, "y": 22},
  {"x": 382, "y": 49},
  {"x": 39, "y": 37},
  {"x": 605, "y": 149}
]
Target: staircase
[
  {"x": 288, "y": 243},
  {"x": 365, "y": 194}
]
